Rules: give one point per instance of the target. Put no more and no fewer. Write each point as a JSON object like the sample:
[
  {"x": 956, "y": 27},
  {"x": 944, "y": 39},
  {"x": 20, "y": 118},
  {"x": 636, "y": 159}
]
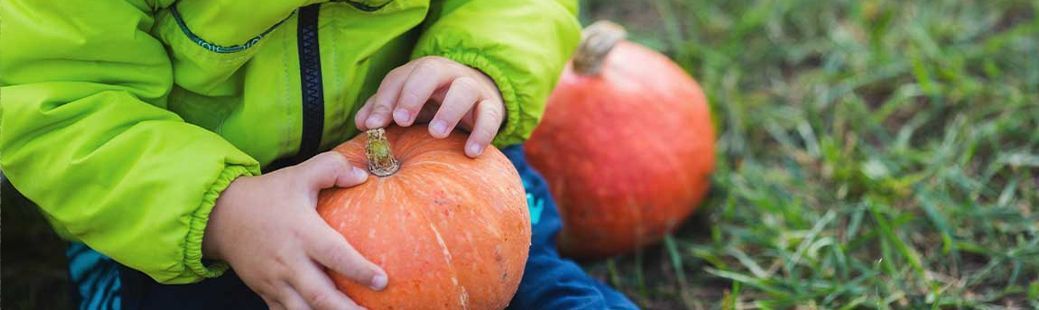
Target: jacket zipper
[{"x": 313, "y": 100}]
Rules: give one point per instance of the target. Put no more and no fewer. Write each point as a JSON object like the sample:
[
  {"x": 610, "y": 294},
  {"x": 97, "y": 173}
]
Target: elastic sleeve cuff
[
  {"x": 513, "y": 129},
  {"x": 199, "y": 219}
]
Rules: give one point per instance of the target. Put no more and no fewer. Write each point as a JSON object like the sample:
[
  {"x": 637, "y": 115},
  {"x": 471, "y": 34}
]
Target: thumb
[{"x": 330, "y": 169}]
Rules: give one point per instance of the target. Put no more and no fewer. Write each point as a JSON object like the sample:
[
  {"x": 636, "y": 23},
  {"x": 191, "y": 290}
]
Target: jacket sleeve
[
  {"x": 85, "y": 135},
  {"x": 521, "y": 45}
]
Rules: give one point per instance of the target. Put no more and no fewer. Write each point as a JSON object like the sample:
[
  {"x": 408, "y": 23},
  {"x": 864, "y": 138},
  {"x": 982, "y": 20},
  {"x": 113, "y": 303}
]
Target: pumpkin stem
[
  {"x": 596, "y": 42},
  {"x": 380, "y": 157}
]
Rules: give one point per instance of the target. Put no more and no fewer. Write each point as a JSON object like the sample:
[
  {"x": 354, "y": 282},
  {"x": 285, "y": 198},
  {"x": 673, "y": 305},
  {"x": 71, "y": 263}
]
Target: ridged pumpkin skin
[
  {"x": 627, "y": 152},
  {"x": 450, "y": 231}
]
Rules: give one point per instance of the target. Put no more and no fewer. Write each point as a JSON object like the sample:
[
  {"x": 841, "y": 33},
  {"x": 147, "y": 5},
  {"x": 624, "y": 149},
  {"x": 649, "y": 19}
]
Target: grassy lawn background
[{"x": 875, "y": 154}]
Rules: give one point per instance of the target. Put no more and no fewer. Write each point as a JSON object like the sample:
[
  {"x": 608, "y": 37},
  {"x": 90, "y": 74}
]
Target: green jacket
[{"x": 125, "y": 119}]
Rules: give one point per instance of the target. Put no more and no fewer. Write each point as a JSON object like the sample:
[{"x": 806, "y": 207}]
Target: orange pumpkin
[
  {"x": 451, "y": 232},
  {"x": 626, "y": 145}
]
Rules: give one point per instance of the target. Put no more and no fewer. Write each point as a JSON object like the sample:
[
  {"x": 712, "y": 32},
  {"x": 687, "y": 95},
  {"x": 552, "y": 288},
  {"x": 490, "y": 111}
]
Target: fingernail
[
  {"x": 379, "y": 282},
  {"x": 402, "y": 116},
  {"x": 375, "y": 121},
  {"x": 360, "y": 173},
  {"x": 474, "y": 149},
  {"x": 439, "y": 127}
]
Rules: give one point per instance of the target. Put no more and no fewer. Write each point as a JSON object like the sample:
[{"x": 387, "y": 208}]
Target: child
[{"x": 175, "y": 139}]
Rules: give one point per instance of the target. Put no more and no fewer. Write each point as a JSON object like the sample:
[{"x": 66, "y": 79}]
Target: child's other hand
[
  {"x": 460, "y": 95},
  {"x": 266, "y": 227}
]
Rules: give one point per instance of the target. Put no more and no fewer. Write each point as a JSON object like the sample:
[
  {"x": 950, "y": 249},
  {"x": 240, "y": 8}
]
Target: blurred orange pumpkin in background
[{"x": 626, "y": 145}]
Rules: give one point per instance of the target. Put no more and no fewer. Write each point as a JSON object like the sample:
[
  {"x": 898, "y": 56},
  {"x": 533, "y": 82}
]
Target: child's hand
[
  {"x": 267, "y": 229},
  {"x": 460, "y": 95}
]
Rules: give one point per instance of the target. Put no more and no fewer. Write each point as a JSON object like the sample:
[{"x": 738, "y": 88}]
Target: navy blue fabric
[
  {"x": 549, "y": 281},
  {"x": 102, "y": 283},
  {"x": 224, "y": 292}
]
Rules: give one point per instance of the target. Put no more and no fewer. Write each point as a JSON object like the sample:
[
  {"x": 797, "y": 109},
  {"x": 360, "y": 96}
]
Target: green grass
[{"x": 872, "y": 154}]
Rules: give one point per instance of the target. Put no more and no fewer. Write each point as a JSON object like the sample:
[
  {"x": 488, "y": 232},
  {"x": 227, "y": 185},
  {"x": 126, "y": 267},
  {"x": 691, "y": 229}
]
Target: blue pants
[{"x": 549, "y": 281}]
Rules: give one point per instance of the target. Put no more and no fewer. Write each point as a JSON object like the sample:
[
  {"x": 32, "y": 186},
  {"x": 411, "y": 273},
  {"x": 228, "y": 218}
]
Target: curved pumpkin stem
[
  {"x": 596, "y": 42},
  {"x": 380, "y": 157}
]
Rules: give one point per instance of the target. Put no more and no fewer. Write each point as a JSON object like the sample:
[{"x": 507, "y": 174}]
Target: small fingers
[
  {"x": 460, "y": 98},
  {"x": 290, "y": 299},
  {"x": 429, "y": 75},
  {"x": 318, "y": 290},
  {"x": 489, "y": 115},
  {"x": 363, "y": 113},
  {"x": 333, "y": 251},
  {"x": 271, "y": 303},
  {"x": 386, "y": 97},
  {"x": 330, "y": 169},
  {"x": 427, "y": 112}
]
